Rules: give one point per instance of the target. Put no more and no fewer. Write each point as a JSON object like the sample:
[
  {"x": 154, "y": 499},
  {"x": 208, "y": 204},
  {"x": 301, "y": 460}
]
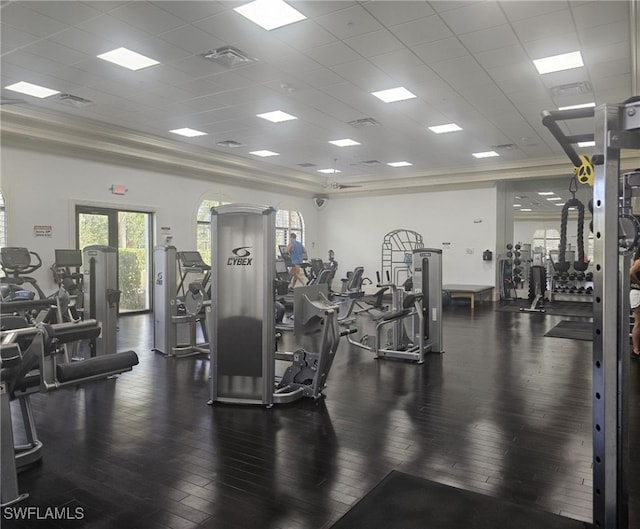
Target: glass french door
[{"x": 129, "y": 232}]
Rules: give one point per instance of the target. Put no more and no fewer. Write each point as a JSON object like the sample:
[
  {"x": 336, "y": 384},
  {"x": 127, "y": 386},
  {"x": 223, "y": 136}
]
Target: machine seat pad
[
  {"x": 395, "y": 314},
  {"x": 96, "y": 366},
  {"x": 74, "y": 335}
]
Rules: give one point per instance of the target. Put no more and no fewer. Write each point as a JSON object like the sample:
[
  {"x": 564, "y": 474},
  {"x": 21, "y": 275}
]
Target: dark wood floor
[{"x": 505, "y": 412}]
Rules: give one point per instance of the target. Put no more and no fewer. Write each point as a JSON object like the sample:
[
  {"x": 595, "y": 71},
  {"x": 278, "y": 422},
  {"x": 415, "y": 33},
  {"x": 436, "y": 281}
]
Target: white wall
[
  {"x": 355, "y": 228},
  {"x": 43, "y": 189}
]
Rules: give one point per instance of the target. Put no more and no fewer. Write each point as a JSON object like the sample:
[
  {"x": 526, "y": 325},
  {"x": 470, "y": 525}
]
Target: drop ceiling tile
[
  {"x": 610, "y": 68},
  {"x": 502, "y": 57},
  {"x": 365, "y": 75},
  {"x": 35, "y": 63},
  {"x": 595, "y": 55},
  {"x": 192, "y": 39},
  {"x": 456, "y": 67},
  {"x": 474, "y": 17},
  {"x": 349, "y": 22},
  {"x": 490, "y": 39},
  {"x": 605, "y": 34},
  {"x": 331, "y": 54},
  {"x": 317, "y": 8},
  {"x": 191, "y": 11},
  {"x": 147, "y": 17},
  {"x": 114, "y": 30},
  {"x": 605, "y": 83},
  {"x": 322, "y": 77},
  {"x": 375, "y": 43},
  {"x": 542, "y": 26},
  {"x": 420, "y": 31},
  {"x": 196, "y": 66},
  {"x": 596, "y": 14},
  {"x": 441, "y": 6},
  {"x": 389, "y": 14},
  {"x": 404, "y": 66},
  {"x": 546, "y": 47},
  {"x": 12, "y": 38},
  {"x": 55, "y": 52},
  {"x": 19, "y": 16},
  {"x": 82, "y": 41},
  {"x": 530, "y": 8},
  {"x": 304, "y": 35},
  {"x": 230, "y": 27},
  {"x": 440, "y": 50},
  {"x": 69, "y": 12}
]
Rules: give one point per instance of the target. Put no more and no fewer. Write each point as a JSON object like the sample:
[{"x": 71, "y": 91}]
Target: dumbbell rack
[{"x": 571, "y": 286}]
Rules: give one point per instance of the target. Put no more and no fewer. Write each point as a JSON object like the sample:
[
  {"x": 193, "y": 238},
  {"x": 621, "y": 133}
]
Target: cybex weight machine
[
  {"x": 243, "y": 348},
  {"x": 178, "y": 310}
]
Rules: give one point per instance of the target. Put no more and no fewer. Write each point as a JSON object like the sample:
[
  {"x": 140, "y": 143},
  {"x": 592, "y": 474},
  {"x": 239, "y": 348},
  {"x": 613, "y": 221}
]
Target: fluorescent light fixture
[
  {"x": 189, "y": 133},
  {"x": 32, "y": 89},
  {"x": 394, "y": 94},
  {"x": 526, "y": 209},
  {"x": 557, "y": 63},
  {"x": 441, "y": 129},
  {"x": 517, "y": 205},
  {"x": 586, "y": 144},
  {"x": 270, "y": 14},
  {"x": 399, "y": 164},
  {"x": 486, "y": 154},
  {"x": 329, "y": 171},
  {"x": 582, "y": 105},
  {"x": 553, "y": 199},
  {"x": 128, "y": 59},
  {"x": 276, "y": 116},
  {"x": 264, "y": 153},
  {"x": 546, "y": 193},
  {"x": 560, "y": 204},
  {"x": 344, "y": 143}
]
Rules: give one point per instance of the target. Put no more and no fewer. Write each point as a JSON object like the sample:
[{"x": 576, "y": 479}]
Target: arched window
[
  {"x": 203, "y": 228},
  {"x": 3, "y": 222},
  {"x": 287, "y": 222}
]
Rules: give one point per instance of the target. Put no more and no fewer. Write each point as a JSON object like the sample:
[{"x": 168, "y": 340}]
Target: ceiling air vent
[
  {"x": 571, "y": 89},
  {"x": 504, "y": 147},
  {"x": 364, "y": 122},
  {"x": 230, "y": 143},
  {"x": 307, "y": 164},
  {"x": 371, "y": 162},
  {"x": 229, "y": 56},
  {"x": 74, "y": 101}
]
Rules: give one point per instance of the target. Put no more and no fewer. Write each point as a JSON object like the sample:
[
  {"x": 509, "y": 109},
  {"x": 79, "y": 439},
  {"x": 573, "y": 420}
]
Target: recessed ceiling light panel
[
  {"x": 270, "y": 14},
  {"x": 583, "y": 105},
  {"x": 399, "y": 164},
  {"x": 485, "y": 154},
  {"x": 264, "y": 153},
  {"x": 32, "y": 89},
  {"x": 329, "y": 171},
  {"x": 394, "y": 94},
  {"x": 189, "y": 133},
  {"x": 586, "y": 144},
  {"x": 557, "y": 63},
  {"x": 346, "y": 142},
  {"x": 546, "y": 193},
  {"x": 128, "y": 59},
  {"x": 277, "y": 116},
  {"x": 442, "y": 129}
]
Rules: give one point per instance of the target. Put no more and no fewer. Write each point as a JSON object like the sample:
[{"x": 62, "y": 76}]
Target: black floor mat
[
  {"x": 555, "y": 308},
  {"x": 402, "y": 501},
  {"x": 576, "y": 330}
]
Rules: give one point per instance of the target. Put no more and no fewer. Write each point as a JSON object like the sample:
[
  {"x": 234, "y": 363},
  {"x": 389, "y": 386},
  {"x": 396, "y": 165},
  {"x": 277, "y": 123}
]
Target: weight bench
[
  {"x": 29, "y": 364},
  {"x": 472, "y": 292}
]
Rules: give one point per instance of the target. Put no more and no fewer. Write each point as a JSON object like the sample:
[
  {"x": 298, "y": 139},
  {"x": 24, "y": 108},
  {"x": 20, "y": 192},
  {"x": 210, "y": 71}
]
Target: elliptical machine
[{"x": 16, "y": 263}]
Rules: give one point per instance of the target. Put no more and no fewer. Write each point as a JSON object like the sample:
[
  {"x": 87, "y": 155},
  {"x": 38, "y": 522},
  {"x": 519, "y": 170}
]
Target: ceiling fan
[{"x": 338, "y": 185}]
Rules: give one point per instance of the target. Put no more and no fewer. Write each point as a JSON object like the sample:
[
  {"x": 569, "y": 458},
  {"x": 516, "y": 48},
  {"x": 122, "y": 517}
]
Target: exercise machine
[
  {"x": 616, "y": 127},
  {"x": 537, "y": 288},
  {"x": 413, "y": 325},
  {"x": 16, "y": 263},
  {"x": 179, "y": 307},
  {"x": 243, "y": 352},
  {"x": 397, "y": 254},
  {"x": 100, "y": 268},
  {"x": 31, "y": 361}
]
